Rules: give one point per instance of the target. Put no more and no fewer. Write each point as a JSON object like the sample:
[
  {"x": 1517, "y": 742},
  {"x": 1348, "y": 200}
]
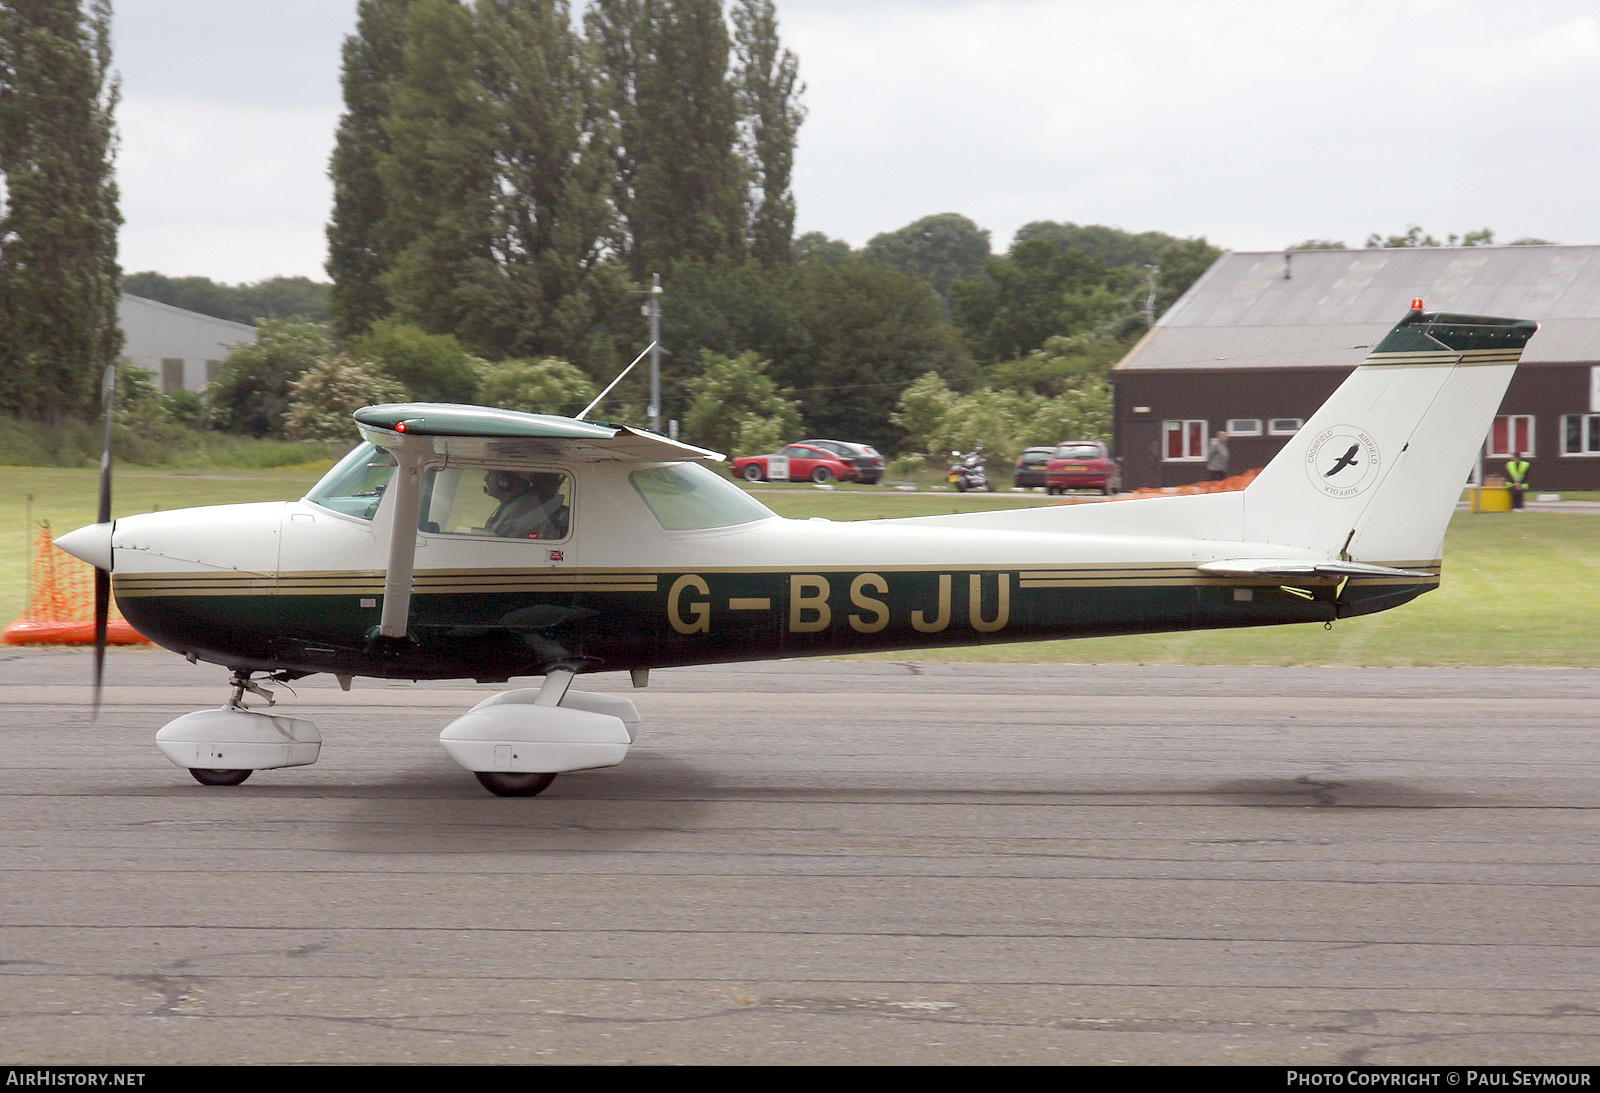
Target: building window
[
  {"x": 1284, "y": 426},
  {"x": 1244, "y": 426},
  {"x": 1580, "y": 434},
  {"x": 1185, "y": 440},
  {"x": 171, "y": 375},
  {"x": 1511, "y": 435}
]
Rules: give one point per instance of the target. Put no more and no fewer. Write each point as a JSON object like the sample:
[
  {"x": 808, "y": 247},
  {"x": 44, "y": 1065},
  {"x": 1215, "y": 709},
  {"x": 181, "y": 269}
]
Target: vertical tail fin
[{"x": 1377, "y": 471}]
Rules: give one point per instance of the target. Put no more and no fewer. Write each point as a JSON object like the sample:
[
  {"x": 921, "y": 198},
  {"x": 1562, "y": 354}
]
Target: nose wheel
[{"x": 505, "y": 783}]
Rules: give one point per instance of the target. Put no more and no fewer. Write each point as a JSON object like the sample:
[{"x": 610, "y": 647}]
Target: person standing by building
[
  {"x": 1517, "y": 474},
  {"x": 1217, "y": 457}
]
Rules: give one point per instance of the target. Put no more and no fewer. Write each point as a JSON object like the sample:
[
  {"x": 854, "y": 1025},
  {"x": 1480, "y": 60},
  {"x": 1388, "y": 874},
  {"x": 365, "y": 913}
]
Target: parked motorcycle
[{"x": 968, "y": 472}]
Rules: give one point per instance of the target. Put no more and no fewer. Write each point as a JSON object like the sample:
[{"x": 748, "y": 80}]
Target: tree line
[
  {"x": 506, "y": 180},
  {"x": 512, "y": 180}
]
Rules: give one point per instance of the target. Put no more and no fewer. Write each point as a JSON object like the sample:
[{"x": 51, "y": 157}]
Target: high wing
[{"x": 480, "y": 432}]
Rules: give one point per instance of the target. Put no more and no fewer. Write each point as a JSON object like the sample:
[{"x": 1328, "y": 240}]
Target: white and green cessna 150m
[{"x": 466, "y": 542}]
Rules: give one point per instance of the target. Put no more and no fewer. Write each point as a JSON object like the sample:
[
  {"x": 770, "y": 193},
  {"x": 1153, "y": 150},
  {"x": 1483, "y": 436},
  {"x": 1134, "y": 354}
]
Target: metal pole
[{"x": 655, "y": 352}]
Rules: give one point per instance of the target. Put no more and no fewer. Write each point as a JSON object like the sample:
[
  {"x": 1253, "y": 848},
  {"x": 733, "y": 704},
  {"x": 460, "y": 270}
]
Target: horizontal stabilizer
[{"x": 1278, "y": 567}]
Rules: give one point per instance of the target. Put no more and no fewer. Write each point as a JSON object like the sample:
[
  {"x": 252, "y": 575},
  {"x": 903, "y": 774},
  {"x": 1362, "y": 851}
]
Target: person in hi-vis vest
[{"x": 1517, "y": 474}]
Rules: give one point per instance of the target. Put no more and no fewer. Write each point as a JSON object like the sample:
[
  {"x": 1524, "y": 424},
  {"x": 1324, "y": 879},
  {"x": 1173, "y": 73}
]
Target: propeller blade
[
  {"x": 102, "y": 613},
  {"x": 102, "y": 577}
]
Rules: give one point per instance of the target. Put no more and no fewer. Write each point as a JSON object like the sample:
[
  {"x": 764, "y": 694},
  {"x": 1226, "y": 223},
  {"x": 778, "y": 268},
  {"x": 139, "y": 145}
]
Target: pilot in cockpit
[{"x": 530, "y": 506}]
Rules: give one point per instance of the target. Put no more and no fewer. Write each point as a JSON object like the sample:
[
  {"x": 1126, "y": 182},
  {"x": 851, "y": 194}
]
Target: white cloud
[
  {"x": 224, "y": 191},
  {"x": 1254, "y": 124}
]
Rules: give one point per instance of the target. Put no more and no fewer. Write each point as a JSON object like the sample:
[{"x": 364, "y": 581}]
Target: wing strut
[{"x": 407, "y": 487}]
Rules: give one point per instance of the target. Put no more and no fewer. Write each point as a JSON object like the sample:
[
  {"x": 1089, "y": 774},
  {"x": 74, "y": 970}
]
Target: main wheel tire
[
  {"x": 505, "y": 783},
  {"x": 207, "y": 777},
  {"x": 752, "y": 472},
  {"x": 821, "y": 475}
]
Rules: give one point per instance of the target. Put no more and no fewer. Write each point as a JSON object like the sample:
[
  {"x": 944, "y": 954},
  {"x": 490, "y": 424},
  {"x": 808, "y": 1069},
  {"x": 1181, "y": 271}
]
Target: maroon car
[{"x": 1082, "y": 465}]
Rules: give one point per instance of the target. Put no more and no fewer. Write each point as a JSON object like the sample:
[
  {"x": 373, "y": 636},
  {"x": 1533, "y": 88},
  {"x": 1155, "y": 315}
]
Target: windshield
[
  {"x": 689, "y": 497},
  {"x": 356, "y": 483}
]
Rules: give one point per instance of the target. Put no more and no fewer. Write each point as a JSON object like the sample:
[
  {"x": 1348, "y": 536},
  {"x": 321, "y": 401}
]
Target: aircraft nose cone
[{"x": 92, "y": 544}]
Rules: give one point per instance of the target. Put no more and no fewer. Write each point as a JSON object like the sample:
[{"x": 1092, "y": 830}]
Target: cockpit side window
[
  {"x": 356, "y": 484},
  {"x": 512, "y": 503}
]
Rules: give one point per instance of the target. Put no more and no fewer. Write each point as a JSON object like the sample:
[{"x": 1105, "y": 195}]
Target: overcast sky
[{"x": 1253, "y": 123}]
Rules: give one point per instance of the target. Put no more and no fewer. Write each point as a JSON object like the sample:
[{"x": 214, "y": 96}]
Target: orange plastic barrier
[
  {"x": 1226, "y": 485},
  {"x": 61, "y": 611}
]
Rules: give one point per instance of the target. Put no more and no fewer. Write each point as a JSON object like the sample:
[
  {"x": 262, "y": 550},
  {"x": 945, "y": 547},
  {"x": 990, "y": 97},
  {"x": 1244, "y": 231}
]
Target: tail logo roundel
[{"x": 1343, "y": 461}]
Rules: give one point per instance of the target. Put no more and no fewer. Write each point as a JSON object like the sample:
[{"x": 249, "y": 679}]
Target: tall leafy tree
[
  {"x": 437, "y": 178},
  {"x": 689, "y": 191},
  {"x": 680, "y": 183},
  {"x": 769, "y": 90},
  {"x": 360, "y": 249},
  {"x": 617, "y": 33},
  {"x": 551, "y": 211},
  {"x": 58, "y": 232}
]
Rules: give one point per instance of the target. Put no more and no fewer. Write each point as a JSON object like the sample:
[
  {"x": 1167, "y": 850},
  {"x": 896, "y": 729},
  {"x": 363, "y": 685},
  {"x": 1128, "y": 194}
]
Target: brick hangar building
[{"x": 1262, "y": 339}]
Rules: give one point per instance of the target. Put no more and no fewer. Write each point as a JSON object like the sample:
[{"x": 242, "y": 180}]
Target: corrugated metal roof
[{"x": 1315, "y": 309}]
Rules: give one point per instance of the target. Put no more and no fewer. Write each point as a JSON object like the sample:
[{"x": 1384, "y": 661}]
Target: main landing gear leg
[{"x": 240, "y": 681}]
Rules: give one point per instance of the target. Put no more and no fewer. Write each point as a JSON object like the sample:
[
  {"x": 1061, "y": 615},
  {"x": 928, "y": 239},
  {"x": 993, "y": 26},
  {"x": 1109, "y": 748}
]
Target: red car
[
  {"x": 808, "y": 461},
  {"x": 1082, "y": 465}
]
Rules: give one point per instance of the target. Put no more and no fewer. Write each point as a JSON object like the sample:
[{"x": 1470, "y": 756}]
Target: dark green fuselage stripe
[{"x": 710, "y": 617}]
